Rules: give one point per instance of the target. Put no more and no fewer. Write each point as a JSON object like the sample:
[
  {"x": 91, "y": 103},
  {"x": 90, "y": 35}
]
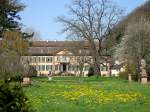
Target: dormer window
[
  {"x": 41, "y": 51},
  {"x": 80, "y": 51}
]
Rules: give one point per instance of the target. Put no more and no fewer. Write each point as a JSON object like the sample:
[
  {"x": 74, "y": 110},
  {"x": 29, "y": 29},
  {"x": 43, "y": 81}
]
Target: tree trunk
[
  {"x": 138, "y": 71},
  {"x": 96, "y": 58},
  {"x": 97, "y": 69}
]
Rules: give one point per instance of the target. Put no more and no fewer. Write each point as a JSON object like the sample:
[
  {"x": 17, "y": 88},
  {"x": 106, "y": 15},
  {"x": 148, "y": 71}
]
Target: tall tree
[
  {"x": 11, "y": 69},
  {"x": 135, "y": 45},
  {"x": 13, "y": 47},
  {"x": 82, "y": 54},
  {"x": 92, "y": 20},
  {"x": 9, "y": 17},
  {"x": 13, "y": 40}
]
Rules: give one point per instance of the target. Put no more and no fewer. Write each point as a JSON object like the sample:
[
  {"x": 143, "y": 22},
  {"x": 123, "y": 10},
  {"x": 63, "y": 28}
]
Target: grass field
[{"x": 73, "y": 94}]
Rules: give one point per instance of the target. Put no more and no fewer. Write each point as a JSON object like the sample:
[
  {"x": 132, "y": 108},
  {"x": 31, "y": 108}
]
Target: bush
[
  {"x": 32, "y": 71},
  {"x": 12, "y": 98},
  {"x": 91, "y": 71},
  {"x": 9, "y": 64},
  {"x": 123, "y": 75}
]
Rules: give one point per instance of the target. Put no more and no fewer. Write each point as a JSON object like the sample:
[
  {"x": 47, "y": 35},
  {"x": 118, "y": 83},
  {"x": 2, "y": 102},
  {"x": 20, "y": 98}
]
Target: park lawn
[{"x": 74, "y": 94}]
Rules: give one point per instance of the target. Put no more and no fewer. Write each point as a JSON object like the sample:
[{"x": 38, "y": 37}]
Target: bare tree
[
  {"x": 82, "y": 54},
  {"x": 92, "y": 20}
]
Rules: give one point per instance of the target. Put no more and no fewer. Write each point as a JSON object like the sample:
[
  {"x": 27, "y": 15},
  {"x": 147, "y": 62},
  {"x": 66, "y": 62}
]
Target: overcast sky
[{"x": 41, "y": 15}]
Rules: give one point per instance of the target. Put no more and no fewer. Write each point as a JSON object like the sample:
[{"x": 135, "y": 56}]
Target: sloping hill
[{"x": 142, "y": 11}]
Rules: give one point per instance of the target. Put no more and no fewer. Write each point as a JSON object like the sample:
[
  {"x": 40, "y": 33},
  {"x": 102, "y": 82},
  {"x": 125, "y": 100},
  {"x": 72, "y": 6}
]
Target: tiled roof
[
  {"x": 53, "y": 47},
  {"x": 59, "y": 43},
  {"x": 43, "y": 50}
]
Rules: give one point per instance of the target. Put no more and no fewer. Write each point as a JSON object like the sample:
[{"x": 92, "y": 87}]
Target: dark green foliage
[
  {"x": 9, "y": 17},
  {"x": 91, "y": 71},
  {"x": 123, "y": 75},
  {"x": 12, "y": 98},
  {"x": 32, "y": 71}
]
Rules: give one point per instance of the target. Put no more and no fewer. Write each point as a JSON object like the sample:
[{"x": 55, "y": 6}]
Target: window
[
  {"x": 59, "y": 67},
  {"x": 69, "y": 67},
  {"x": 36, "y": 59},
  {"x": 56, "y": 67},
  {"x": 38, "y": 68},
  {"x": 43, "y": 59},
  {"x": 43, "y": 67},
  {"x": 48, "y": 59},
  {"x": 33, "y": 59},
  {"x": 73, "y": 67},
  {"x": 86, "y": 68},
  {"x": 58, "y": 58},
  {"x": 29, "y": 59},
  {"x": 39, "y": 59},
  {"x": 64, "y": 59},
  {"x": 48, "y": 67},
  {"x": 103, "y": 68},
  {"x": 34, "y": 66}
]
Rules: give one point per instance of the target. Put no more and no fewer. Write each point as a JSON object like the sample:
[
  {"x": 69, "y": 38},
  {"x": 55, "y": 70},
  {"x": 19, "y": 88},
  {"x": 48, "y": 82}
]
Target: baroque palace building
[{"x": 60, "y": 57}]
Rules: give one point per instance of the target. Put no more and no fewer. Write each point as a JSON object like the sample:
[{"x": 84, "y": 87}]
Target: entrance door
[{"x": 64, "y": 67}]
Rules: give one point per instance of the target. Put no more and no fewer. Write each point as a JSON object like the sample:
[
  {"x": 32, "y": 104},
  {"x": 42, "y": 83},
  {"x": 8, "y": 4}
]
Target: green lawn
[{"x": 73, "y": 94}]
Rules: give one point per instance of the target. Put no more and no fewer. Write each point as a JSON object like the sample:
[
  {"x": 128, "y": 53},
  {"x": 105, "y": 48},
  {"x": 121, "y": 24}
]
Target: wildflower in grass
[{"x": 92, "y": 95}]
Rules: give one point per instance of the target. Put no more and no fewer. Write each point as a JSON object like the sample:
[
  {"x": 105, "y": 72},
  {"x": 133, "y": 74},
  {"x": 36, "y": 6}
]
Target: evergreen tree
[{"x": 9, "y": 18}]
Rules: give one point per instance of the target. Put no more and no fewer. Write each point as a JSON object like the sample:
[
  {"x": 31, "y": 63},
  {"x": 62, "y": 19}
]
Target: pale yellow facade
[{"x": 63, "y": 62}]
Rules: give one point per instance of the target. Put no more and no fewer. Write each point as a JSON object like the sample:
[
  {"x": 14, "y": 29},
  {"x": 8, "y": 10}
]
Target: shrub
[
  {"x": 32, "y": 71},
  {"x": 91, "y": 71},
  {"x": 9, "y": 64},
  {"x": 123, "y": 75},
  {"x": 12, "y": 98}
]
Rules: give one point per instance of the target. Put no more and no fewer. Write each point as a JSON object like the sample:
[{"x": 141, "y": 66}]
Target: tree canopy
[
  {"x": 142, "y": 11},
  {"x": 13, "y": 40},
  {"x": 92, "y": 20},
  {"x": 9, "y": 17}
]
